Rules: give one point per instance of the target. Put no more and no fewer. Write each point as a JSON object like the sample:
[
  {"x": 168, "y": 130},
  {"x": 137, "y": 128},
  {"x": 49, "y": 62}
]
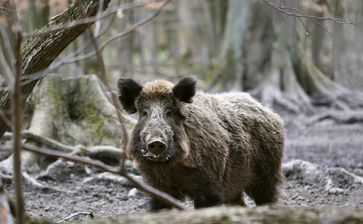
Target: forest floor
[{"x": 323, "y": 166}]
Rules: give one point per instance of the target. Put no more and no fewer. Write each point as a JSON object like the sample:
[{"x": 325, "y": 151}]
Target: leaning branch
[{"x": 101, "y": 47}]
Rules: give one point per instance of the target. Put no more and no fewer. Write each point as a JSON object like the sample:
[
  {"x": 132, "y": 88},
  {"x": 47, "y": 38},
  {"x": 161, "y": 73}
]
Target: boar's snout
[{"x": 156, "y": 146}]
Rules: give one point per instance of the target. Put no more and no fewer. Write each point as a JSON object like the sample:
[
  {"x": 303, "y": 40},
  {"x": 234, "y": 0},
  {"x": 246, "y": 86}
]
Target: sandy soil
[{"x": 323, "y": 166}]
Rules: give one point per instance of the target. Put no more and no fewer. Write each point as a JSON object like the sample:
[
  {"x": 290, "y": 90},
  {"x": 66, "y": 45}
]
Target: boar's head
[{"x": 159, "y": 134}]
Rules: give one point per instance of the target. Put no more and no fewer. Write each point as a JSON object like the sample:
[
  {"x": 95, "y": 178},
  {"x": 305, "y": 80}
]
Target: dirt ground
[{"x": 323, "y": 166}]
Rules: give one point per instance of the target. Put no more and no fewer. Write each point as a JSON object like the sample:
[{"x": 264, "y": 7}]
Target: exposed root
[
  {"x": 323, "y": 90},
  {"x": 347, "y": 117},
  {"x": 273, "y": 97}
]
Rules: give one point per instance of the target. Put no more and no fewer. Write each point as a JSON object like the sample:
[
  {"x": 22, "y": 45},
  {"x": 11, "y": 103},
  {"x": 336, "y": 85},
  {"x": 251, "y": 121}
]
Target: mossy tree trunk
[
  {"x": 39, "y": 51},
  {"x": 74, "y": 111}
]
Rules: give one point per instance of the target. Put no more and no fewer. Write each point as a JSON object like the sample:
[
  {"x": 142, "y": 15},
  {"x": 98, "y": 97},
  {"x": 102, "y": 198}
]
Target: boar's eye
[{"x": 144, "y": 113}]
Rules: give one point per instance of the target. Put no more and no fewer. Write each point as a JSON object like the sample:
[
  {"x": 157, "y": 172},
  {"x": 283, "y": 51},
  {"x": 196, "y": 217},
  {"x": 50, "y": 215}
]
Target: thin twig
[
  {"x": 90, "y": 214},
  {"x": 296, "y": 13}
]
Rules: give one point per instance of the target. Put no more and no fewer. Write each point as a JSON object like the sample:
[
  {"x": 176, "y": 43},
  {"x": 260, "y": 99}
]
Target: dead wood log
[{"x": 243, "y": 215}]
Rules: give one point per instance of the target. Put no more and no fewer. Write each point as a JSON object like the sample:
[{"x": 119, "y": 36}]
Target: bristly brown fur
[{"x": 223, "y": 145}]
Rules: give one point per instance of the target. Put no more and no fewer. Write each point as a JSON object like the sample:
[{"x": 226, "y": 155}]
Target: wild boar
[{"x": 208, "y": 147}]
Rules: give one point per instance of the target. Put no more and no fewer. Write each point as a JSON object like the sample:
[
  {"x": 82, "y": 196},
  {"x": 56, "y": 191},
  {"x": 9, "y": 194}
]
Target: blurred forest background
[{"x": 291, "y": 53}]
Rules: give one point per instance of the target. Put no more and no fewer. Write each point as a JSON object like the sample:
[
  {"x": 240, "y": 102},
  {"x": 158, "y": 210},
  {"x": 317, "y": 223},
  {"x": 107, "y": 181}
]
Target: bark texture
[{"x": 38, "y": 52}]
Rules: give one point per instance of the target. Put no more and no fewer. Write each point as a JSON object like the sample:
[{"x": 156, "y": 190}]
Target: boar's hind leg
[
  {"x": 208, "y": 199},
  {"x": 264, "y": 191},
  {"x": 238, "y": 200}
]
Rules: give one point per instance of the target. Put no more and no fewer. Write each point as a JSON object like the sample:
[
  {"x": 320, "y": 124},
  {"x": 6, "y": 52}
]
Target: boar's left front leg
[
  {"x": 156, "y": 204},
  {"x": 208, "y": 197}
]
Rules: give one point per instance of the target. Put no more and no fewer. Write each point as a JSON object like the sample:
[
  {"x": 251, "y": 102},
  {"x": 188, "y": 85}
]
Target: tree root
[
  {"x": 322, "y": 90},
  {"x": 342, "y": 117},
  {"x": 107, "y": 154},
  {"x": 272, "y": 97}
]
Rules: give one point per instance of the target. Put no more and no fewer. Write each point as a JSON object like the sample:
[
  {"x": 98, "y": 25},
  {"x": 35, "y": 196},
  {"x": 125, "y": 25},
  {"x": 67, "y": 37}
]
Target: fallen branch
[
  {"x": 90, "y": 214},
  {"x": 167, "y": 199}
]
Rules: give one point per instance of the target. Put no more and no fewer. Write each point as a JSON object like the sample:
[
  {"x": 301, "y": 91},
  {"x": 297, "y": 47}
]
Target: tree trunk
[
  {"x": 267, "y": 69},
  {"x": 38, "y": 13},
  {"x": 228, "y": 72},
  {"x": 39, "y": 51}
]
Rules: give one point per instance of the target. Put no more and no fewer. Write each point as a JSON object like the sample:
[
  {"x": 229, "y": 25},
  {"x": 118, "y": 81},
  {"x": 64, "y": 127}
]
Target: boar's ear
[
  {"x": 128, "y": 91},
  {"x": 184, "y": 90}
]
